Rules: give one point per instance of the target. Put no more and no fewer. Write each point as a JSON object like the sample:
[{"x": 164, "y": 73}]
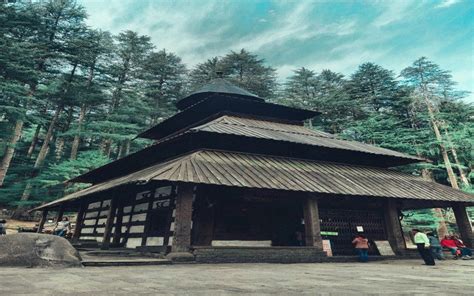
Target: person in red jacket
[
  {"x": 466, "y": 253},
  {"x": 449, "y": 243}
]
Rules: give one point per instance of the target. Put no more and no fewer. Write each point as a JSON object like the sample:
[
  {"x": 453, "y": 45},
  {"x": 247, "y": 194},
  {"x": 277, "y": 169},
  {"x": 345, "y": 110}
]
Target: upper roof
[
  {"x": 216, "y": 86},
  {"x": 257, "y": 128},
  {"x": 282, "y": 173},
  {"x": 216, "y": 103}
]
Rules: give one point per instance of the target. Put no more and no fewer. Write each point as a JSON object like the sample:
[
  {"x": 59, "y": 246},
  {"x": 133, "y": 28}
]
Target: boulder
[{"x": 37, "y": 250}]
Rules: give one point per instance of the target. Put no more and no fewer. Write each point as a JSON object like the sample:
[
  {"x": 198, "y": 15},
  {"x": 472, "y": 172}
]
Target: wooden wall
[{"x": 144, "y": 218}]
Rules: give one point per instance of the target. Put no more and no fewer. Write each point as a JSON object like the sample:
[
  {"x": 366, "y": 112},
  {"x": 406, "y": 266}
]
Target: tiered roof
[{"x": 227, "y": 136}]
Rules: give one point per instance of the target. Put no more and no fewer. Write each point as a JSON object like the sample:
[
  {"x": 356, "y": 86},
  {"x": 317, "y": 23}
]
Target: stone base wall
[{"x": 258, "y": 255}]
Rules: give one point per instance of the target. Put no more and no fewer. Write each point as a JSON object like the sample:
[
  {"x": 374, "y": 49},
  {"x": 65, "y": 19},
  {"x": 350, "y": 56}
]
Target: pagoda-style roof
[
  {"x": 216, "y": 86},
  {"x": 254, "y": 135},
  {"x": 245, "y": 170}
]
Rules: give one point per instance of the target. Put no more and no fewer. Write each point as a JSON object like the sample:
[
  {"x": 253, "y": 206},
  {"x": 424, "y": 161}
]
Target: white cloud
[
  {"x": 394, "y": 11},
  {"x": 447, "y": 3},
  {"x": 298, "y": 24}
]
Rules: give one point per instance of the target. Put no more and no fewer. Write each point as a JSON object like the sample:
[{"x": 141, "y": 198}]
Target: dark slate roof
[
  {"x": 263, "y": 129},
  {"x": 245, "y": 170},
  {"x": 215, "y": 104},
  {"x": 216, "y": 86}
]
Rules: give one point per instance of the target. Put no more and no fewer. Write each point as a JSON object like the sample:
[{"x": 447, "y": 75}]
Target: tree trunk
[
  {"x": 34, "y": 141},
  {"x": 59, "y": 148},
  {"x": 127, "y": 147},
  {"x": 10, "y": 151},
  {"x": 42, "y": 154},
  {"x": 464, "y": 179},
  {"x": 77, "y": 137},
  {"x": 442, "y": 227},
  {"x": 120, "y": 150},
  {"x": 444, "y": 153},
  {"x": 47, "y": 138}
]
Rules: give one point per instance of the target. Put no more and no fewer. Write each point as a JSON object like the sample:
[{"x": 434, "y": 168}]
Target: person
[
  {"x": 361, "y": 244},
  {"x": 62, "y": 227},
  {"x": 435, "y": 246},
  {"x": 423, "y": 244},
  {"x": 466, "y": 253},
  {"x": 299, "y": 238},
  {"x": 3, "y": 227},
  {"x": 449, "y": 243}
]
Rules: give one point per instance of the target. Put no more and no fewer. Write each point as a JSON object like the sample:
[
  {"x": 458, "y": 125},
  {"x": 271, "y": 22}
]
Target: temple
[{"x": 232, "y": 178}]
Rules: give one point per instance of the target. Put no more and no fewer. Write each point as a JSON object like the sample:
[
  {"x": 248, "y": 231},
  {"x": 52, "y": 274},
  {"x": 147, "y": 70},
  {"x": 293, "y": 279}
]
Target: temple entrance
[
  {"x": 339, "y": 226},
  {"x": 260, "y": 222}
]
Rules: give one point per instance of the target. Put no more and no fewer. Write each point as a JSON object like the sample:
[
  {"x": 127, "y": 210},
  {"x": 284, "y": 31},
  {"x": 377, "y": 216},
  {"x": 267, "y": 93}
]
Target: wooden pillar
[
  {"x": 311, "y": 223},
  {"x": 79, "y": 221},
  {"x": 109, "y": 223},
  {"x": 393, "y": 226},
  {"x": 118, "y": 225},
  {"x": 183, "y": 218},
  {"x": 44, "y": 217},
  {"x": 149, "y": 210},
  {"x": 464, "y": 225},
  {"x": 60, "y": 214}
]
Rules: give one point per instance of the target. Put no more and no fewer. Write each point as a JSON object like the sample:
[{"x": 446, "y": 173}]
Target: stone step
[{"x": 125, "y": 262}]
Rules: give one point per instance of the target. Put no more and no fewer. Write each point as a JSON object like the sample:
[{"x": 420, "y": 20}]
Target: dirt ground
[
  {"x": 13, "y": 225},
  {"x": 404, "y": 277}
]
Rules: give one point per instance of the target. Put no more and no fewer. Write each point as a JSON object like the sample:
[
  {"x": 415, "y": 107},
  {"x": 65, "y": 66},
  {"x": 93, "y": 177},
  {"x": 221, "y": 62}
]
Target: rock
[
  {"x": 180, "y": 257},
  {"x": 37, "y": 250}
]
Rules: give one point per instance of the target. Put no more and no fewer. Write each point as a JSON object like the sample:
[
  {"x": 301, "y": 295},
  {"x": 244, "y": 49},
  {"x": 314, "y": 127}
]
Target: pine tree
[
  {"x": 425, "y": 76},
  {"x": 164, "y": 79}
]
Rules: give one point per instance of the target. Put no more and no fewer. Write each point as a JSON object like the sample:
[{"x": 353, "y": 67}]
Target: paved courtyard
[{"x": 407, "y": 277}]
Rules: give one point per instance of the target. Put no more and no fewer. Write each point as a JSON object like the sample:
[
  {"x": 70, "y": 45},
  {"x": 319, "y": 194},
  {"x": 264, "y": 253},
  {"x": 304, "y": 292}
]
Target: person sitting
[
  {"x": 449, "y": 243},
  {"x": 466, "y": 253},
  {"x": 62, "y": 227},
  {"x": 435, "y": 246},
  {"x": 361, "y": 244}
]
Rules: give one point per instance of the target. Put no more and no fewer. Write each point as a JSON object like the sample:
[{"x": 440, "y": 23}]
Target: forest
[{"x": 73, "y": 98}]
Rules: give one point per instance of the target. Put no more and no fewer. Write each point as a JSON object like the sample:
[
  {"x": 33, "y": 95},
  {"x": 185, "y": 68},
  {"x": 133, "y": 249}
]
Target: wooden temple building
[{"x": 232, "y": 178}]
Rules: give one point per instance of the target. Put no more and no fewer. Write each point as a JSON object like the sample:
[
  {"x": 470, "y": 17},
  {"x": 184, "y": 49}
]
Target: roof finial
[{"x": 219, "y": 74}]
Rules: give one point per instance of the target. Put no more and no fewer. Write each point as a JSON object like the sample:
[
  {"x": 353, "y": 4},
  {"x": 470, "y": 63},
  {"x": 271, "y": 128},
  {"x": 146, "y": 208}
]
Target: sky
[{"x": 335, "y": 35}]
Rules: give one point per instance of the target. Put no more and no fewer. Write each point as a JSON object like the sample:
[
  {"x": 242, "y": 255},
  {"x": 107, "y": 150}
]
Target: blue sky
[{"x": 336, "y": 35}]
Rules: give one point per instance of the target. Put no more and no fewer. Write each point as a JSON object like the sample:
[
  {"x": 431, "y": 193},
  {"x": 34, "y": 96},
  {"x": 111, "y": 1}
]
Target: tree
[
  {"x": 17, "y": 55},
  {"x": 164, "y": 79},
  {"x": 126, "y": 100},
  {"x": 241, "y": 68},
  {"x": 424, "y": 76}
]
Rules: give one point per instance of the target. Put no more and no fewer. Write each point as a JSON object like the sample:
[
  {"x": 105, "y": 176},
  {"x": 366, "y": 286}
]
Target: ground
[
  {"x": 384, "y": 277},
  {"x": 13, "y": 225}
]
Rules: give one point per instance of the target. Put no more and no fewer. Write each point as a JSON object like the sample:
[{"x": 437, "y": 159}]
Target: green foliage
[{"x": 242, "y": 68}]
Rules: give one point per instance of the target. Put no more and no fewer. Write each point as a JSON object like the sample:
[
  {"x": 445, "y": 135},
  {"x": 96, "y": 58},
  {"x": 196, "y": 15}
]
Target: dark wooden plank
[
  {"x": 118, "y": 225},
  {"x": 147, "y": 221},
  {"x": 79, "y": 221},
  {"x": 109, "y": 224}
]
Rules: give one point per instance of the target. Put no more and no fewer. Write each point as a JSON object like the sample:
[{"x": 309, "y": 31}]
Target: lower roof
[{"x": 246, "y": 170}]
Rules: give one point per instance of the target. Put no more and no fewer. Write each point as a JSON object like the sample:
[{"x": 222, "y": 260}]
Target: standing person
[
  {"x": 361, "y": 244},
  {"x": 449, "y": 243},
  {"x": 62, "y": 227},
  {"x": 422, "y": 244},
  {"x": 466, "y": 253},
  {"x": 435, "y": 246},
  {"x": 3, "y": 227}
]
